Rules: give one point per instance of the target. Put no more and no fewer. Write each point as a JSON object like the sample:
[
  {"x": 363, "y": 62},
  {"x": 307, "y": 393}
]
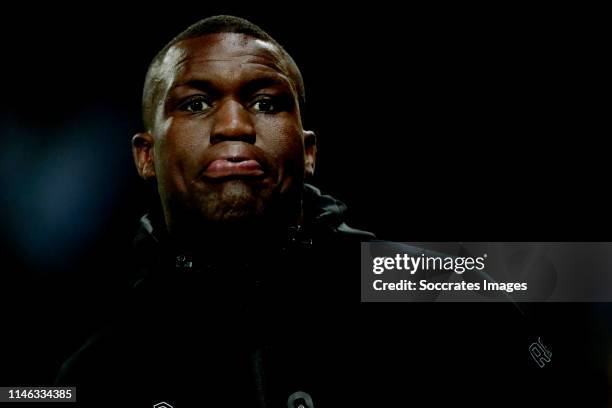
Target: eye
[
  {"x": 266, "y": 105},
  {"x": 195, "y": 104}
]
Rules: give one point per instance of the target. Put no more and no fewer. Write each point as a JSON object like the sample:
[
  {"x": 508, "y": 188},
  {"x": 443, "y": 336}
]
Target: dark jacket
[{"x": 217, "y": 330}]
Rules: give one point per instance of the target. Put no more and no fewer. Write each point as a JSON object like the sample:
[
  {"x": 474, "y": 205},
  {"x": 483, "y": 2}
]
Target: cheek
[
  {"x": 178, "y": 152},
  {"x": 284, "y": 142}
]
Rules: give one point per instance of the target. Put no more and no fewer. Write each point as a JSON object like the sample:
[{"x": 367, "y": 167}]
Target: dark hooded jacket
[{"x": 220, "y": 329}]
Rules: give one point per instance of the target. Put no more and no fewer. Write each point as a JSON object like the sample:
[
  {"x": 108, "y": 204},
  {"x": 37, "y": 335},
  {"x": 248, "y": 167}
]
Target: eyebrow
[
  {"x": 249, "y": 87},
  {"x": 200, "y": 84},
  {"x": 264, "y": 82}
]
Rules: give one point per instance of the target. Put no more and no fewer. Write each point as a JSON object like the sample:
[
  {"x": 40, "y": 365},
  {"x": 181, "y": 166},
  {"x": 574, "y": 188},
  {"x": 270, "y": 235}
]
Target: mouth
[{"x": 233, "y": 167}]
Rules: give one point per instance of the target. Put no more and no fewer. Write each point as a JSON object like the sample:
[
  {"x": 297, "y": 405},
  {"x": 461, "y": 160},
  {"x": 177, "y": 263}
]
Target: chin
[{"x": 234, "y": 201}]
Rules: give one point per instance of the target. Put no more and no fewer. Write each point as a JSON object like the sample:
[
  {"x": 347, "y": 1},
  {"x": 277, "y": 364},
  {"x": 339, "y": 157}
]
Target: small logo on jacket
[
  {"x": 162, "y": 404},
  {"x": 539, "y": 353},
  {"x": 300, "y": 399}
]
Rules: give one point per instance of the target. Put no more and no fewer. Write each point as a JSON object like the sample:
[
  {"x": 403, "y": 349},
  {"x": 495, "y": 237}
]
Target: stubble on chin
[{"x": 232, "y": 200}]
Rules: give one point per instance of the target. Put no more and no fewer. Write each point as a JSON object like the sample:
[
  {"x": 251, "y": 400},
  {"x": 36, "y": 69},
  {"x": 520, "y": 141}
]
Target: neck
[{"x": 246, "y": 235}]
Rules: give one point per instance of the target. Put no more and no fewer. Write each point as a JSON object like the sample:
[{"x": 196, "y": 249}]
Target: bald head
[{"x": 172, "y": 55}]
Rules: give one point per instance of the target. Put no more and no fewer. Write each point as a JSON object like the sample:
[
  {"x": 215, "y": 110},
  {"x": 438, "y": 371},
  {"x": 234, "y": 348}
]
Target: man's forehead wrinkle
[
  {"x": 194, "y": 64},
  {"x": 197, "y": 66},
  {"x": 249, "y": 57},
  {"x": 184, "y": 77},
  {"x": 229, "y": 46}
]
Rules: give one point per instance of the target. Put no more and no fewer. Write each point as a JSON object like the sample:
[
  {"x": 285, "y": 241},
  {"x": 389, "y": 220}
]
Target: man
[
  {"x": 247, "y": 291},
  {"x": 243, "y": 272}
]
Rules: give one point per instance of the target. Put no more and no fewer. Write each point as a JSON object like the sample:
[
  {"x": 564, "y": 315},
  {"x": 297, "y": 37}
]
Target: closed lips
[{"x": 227, "y": 167}]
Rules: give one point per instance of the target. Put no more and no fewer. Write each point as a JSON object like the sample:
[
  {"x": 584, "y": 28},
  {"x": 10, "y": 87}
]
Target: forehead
[{"x": 225, "y": 55}]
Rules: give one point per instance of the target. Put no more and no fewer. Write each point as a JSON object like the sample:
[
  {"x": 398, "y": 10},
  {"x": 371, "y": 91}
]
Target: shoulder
[
  {"x": 85, "y": 362},
  {"x": 354, "y": 234}
]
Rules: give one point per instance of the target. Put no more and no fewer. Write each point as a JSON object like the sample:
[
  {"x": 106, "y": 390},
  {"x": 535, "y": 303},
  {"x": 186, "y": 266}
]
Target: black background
[{"x": 439, "y": 123}]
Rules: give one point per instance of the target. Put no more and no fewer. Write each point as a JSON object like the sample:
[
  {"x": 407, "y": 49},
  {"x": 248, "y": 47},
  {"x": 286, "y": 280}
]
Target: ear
[
  {"x": 310, "y": 152},
  {"x": 142, "y": 150}
]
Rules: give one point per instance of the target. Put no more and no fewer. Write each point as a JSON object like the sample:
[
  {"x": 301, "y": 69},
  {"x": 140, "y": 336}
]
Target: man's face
[{"x": 227, "y": 140}]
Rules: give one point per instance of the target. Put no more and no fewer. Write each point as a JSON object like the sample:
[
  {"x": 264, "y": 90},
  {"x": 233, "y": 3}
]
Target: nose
[{"x": 232, "y": 122}]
